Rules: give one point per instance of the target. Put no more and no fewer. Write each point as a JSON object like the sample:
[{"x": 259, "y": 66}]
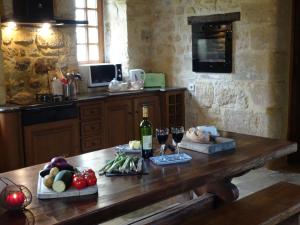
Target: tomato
[
  {"x": 79, "y": 182},
  {"x": 91, "y": 180},
  {"x": 89, "y": 172}
]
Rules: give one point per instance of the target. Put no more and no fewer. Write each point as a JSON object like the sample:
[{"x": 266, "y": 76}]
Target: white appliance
[
  {"x": 98, "y": 75},
  {"x": 136, "y": 75}
]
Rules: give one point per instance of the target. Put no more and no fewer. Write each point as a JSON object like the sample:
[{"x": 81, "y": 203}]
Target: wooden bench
[{"x": 278, "y": 204}]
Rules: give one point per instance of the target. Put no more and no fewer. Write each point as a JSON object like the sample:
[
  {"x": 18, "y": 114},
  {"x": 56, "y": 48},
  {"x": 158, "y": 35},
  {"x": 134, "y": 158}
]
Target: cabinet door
[
  {"x": 173, "y": 109},
  {"x": 153, "y": 103},
  {"x": 118, "y": 122},
  {"x": 45, "y": 141},
  {"x": 11, "y": 143}
]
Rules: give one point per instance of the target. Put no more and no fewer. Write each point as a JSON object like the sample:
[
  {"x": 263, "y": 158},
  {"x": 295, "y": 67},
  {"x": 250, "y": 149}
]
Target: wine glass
[
  {"x": 162, "y": 135},
  {"x": 177, "y": 135}
]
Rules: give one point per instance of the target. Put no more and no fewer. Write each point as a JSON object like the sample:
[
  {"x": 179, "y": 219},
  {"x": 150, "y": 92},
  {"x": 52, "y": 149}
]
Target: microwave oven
[{"x": 99, "y": 75}]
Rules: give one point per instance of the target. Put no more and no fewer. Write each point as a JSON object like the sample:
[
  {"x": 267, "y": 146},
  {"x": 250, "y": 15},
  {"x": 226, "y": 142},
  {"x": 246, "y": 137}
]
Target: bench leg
[{"x": 224, "y": 190}]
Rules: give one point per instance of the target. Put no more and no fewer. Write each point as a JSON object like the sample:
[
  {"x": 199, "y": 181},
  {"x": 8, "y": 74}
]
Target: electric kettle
[{"x": 136, "y": 75}]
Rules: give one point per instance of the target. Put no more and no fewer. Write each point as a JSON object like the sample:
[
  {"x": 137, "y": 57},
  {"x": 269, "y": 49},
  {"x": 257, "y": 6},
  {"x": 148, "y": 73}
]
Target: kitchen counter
[
  {"x": 88, "y": 97},
  {"x": 9, "y": 108}
]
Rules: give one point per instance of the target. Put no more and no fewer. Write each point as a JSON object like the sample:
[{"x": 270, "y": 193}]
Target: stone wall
[
  {"x": 2, "y": 81},
  {"x": 139, "y": 19},
  {"x": 254, "y": 98},
  {"x": 30, "y": 52},
  {"x": 115, "y": 30}
]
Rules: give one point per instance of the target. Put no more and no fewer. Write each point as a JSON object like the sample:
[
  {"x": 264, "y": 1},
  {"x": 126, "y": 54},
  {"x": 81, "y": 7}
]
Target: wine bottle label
[
  {"x": 145, "y": 112},
  {"x": 147, "y": 142}
]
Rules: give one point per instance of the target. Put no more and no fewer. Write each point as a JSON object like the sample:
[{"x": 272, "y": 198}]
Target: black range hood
[{"x": 35, "y": 12}]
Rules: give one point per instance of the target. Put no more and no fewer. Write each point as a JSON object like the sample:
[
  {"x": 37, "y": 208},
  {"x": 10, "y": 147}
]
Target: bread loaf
[{"x": 198, "y": 136}]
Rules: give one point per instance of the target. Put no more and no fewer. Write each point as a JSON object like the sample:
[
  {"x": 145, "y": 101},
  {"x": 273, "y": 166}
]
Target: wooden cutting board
[
  {"x": 222, "y": 144},
  {"x": 45, "y": 193}
]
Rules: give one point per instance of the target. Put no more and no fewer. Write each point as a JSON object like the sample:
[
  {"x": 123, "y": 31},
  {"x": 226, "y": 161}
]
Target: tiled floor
[{"x": 247, "y": 184}]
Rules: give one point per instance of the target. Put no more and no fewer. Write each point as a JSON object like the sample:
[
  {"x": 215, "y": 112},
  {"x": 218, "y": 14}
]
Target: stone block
[
  {"x": 24, "y": 37},
  {"x": 22, "y": 64},
  {"x": 226, "y": 94},
  {"x": 225, "y": 6},
  {"x": 269, "y": 124},
  {"x": 269, "y": 38},
  {"x": 241, "y": 37},
  {"x": 35, "y": 83},
  {"x": 265, "y": 95},
  {"x": 190, "y": 11},
  {"x": 7, "y": 36},
  {"x": 53, "y": 40},
  {"x": 43, "y": 65},
  {"x": 257, "y": 13},
  {"x": 205, "y": 6},
  {"x": 236, "y": 121},
  {"x": 242, "y": 101},
  {"x": 205, "y": 94},
  {"x": 23, "y": 97}
]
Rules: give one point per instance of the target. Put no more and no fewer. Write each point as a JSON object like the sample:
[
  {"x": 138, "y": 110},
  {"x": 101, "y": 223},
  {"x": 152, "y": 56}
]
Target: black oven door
[{"x": 212, "y": 48}]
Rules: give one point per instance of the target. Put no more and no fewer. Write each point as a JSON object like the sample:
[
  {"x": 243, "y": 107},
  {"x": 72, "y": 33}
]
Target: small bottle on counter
[{"x": 146, "y": 134}]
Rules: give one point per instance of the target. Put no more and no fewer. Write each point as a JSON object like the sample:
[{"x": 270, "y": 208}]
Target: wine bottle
[{"x": 146, "y": 134}]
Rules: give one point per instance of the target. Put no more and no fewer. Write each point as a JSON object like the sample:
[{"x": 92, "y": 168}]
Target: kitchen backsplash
[
  {"x": 28, "y": 56},
  {"x": 30, "y": 52}
]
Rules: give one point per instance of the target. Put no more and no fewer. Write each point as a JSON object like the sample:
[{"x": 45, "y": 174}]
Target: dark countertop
[{"x": 89, "y": 97}]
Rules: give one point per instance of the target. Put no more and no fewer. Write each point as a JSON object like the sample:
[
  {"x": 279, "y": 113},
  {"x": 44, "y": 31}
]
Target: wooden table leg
[{"x": 224, "y": 190}]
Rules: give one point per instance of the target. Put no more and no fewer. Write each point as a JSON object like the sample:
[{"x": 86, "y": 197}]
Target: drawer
[
  {"x": 91, "y": 128},
  {"x": 92, "y": 143},
  {"x": 91, "y": 112}
]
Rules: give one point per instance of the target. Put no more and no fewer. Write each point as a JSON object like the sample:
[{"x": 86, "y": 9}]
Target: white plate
[{"x": 45, "y": 193}]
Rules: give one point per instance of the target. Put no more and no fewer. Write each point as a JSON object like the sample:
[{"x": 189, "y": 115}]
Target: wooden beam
[{"x": 227, "y": 17}]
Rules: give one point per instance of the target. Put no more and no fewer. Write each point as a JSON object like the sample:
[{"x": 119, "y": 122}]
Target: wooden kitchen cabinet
[
  {"x": 47, "y": 140},
  {"x": 173, "y": 106},
  {"x": 11, "y": 147},
  {"x": 92, "y": 126},
  {"x": 103, "y": 122},
  {"x": 118, "y": 122},
  {"x": 153, "y": 102}
]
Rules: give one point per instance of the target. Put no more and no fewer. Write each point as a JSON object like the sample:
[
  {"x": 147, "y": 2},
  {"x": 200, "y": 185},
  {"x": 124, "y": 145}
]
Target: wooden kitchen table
[{"x": 120, "y": 195}]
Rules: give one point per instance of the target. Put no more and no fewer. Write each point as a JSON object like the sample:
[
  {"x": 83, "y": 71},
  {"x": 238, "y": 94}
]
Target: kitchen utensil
[{"x": 57, "y": 87}]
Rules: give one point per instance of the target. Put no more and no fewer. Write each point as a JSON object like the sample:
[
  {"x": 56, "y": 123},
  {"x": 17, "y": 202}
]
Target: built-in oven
[{"x": 212, "y": 47}]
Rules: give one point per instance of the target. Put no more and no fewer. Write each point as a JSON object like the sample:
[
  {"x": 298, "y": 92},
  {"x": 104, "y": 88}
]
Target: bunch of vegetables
[
  {"x": 123, "y": 163},
  {"x": 84, "y": 179},
  {"x": 59, "y": 175}
]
